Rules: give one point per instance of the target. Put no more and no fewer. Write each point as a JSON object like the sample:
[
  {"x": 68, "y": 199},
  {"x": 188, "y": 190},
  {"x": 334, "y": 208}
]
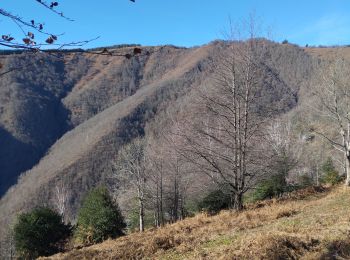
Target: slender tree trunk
[
  {"x": 347, "y": 168},
  {"x": 182, "y": 206},
  {"x": 161, "y": 200},
  {"x": 176, "y": 201},
  {"x": 141, "y": 216},
  {"x": 157, "y": 208}
]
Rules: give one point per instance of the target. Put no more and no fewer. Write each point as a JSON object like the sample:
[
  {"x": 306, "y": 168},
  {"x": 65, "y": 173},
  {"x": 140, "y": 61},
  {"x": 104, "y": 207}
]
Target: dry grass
[{"x": 308, "y": 225}]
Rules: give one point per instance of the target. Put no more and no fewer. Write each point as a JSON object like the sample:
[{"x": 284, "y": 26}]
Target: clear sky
[{"x": 186, "y": 22}]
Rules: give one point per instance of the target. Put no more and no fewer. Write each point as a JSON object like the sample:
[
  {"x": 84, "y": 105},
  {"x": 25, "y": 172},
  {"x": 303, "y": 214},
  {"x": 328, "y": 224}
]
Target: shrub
[
  {"x": 215, "y": 201},
  {"x": 39, "y": 233},
  {"x": 99, "y": 218},
  {"x": 272, "y": 187},
  {"x": 330, "y": 174}
]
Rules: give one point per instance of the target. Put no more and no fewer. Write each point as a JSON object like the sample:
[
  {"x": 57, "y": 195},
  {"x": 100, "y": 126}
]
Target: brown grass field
[{"x": 310, "y": 224}]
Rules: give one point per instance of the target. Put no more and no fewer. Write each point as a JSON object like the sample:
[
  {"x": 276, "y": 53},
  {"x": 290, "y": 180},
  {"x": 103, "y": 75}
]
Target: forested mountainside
[
  {"x": 64, "y": 119},
  {"x": 50, "y": 96}
]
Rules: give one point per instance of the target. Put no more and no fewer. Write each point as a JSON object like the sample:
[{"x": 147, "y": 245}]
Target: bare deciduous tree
[
  {"x": 224, "y": 138},
  {"x": 61, "y": 197},
  {"x": 286, "y": 149},
  {"x": 131, "y": 169},
  {"x": 332, "y": 91},
  {"x": 157, "y": 166}
]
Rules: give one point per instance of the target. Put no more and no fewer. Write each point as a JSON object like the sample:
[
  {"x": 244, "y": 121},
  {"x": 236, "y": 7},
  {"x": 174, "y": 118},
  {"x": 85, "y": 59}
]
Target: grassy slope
[{"x": 309, "y": 225}]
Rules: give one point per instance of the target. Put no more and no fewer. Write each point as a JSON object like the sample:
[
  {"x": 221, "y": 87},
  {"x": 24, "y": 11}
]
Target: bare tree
[
  {"x": 131, "y": 169},
  {"x": 61, "y": 198},
  {"x": 156, "y": 167},
  {"x": 286, "y": 148},
  {"x": 224, "y": 138},
  {"x": 179, "y": 176},
  {"x": 332, "y": 91}
]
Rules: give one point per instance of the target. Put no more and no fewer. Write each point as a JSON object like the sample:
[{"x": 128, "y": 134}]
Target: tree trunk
[
  {"x": 238, "y": 201},
  {"x": 157, "y": 209},
  {"x": 176, "y": 201},
  {"x": 161, "y": 201},
  {"x": 141, "y": 216},
  {"x": 347, "y": 169}
]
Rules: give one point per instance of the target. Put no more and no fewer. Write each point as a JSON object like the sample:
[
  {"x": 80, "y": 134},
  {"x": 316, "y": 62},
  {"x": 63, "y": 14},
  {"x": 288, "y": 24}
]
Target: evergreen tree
[
  {"x": 39, "y": 232},
  {"x": 99, "y": 218},
  {"x": 330, "y": 174}
]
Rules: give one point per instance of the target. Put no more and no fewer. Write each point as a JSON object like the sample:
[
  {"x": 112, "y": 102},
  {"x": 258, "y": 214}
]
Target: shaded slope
[{"x": 31, "y": 112}]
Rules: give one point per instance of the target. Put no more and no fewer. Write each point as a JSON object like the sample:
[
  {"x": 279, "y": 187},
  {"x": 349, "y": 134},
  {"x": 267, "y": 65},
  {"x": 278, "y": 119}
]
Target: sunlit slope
[{"x": 312, "y": 224}]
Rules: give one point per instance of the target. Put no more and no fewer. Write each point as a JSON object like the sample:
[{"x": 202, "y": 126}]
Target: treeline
[{"x": 73, "y": 50}]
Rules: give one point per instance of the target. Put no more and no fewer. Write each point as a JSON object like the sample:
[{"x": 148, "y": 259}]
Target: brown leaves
[
  {"x": 26, "y": 40},
  {"x": 29, "y": 40},
  {"x": 51, "y": 39},
  {"x": 7, "y": 38},
  {"x": 31, "y": 35},
  {"x": 38, "y": 26},
  {"x": 53, "y": 4}
]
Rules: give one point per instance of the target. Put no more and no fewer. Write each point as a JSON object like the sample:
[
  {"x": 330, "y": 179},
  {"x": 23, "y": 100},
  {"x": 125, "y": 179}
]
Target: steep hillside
[
  {"x": 32, "y": 116},
  {"x": 309, "y": 224},
  {"x": 83, "y": 156},
  {"x": 52, "y": 94},
  {"x": 105, "y": 102}
]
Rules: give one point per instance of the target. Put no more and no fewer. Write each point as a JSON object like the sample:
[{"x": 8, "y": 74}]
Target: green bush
[
  {"x": 330, "y": 174},
  {"x": 99, "y": 218},
  {"x": 272, "y": 187},
  {"x": 215, "y": 201},
  {"x": 39, "y": 233}
]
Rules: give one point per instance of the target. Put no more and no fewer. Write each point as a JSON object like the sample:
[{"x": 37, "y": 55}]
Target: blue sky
[{"x": 185, "y": 22}]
